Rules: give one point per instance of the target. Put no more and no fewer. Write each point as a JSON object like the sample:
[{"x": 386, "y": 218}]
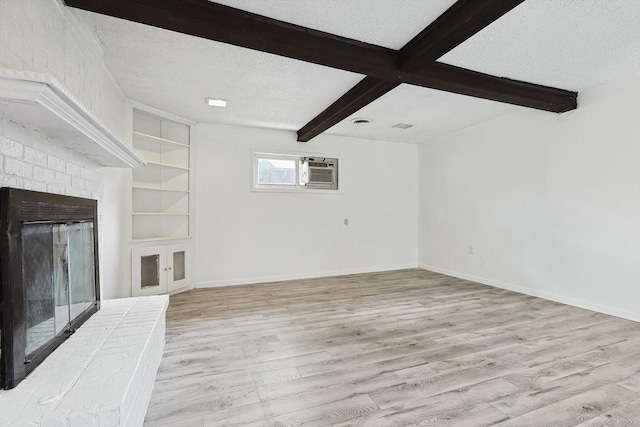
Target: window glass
[
  {"x": 276, "y": 171},
  {"x": 150, "y": 270}
]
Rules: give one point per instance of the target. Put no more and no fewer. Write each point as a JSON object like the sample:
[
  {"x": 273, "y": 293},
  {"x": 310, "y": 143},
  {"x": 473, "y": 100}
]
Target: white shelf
[
  {"x": 168, "y": 190},
  {"x": 145, "y": 187},
  {"x": 161, "y": 178},
  {"x": 159, "y": 214},
  {"x": 162, "y": 141},
  {"x": 164, "y": 165},
  {"x": 161, "y": 199},
  {"x": 150, "y": 226},
  {"x": 159, "y": 239},
  {"x": 38, "y": 101}
]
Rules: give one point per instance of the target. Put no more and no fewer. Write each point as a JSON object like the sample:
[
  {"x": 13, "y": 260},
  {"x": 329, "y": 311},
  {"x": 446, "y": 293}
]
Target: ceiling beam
[
  {"x": 385, "y": 68},
  {"x": 458, "y": 23},
  {"x": 453, "y": 79},
  {"x": 461, "y": 21},
  {"x": 367, "y": 90},
  {"x": 213, "y": 21},
  {"x": 446, "y": 78}
]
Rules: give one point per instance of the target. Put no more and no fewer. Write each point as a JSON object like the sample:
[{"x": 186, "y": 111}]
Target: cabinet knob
[{"x": 169, "y": 268}]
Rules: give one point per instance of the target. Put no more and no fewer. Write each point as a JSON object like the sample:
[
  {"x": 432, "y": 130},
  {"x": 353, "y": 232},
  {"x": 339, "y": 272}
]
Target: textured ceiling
[
  {"x": 572, "y": 44},
  {"x": 563, "y": 43},
  {"x": 388, "y": 23}
]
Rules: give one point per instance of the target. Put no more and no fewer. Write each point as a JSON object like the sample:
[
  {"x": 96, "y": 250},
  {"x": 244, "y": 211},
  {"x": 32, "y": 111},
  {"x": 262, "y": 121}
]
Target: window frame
[{"x": 256, "y": 155}]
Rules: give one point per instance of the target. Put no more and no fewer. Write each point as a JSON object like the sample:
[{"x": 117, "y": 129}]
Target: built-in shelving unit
[
  {"x": 161, "y": 187},
  {"x": 161, "y": 203}
]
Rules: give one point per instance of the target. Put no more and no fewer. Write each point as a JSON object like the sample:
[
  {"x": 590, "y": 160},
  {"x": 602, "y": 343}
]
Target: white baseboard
[
  {"x": 285, "y": 277},
  {"x": 589, "y": 305}
]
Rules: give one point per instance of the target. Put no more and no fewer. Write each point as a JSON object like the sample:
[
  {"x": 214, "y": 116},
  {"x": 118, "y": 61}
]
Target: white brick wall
[
  {"x": 46, "y": 37},
  {"x": 30, "y": 160},
  {"x": 118, "y": 351}
]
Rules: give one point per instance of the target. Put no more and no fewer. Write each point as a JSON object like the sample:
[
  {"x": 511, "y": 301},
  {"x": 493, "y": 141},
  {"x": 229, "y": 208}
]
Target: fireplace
[{"x": 49, "y": 281}]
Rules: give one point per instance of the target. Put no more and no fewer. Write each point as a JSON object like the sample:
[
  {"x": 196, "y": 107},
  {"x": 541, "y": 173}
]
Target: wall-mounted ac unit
[{"x": 319, "y": 172}]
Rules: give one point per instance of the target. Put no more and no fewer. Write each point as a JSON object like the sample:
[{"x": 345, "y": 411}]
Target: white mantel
[{"x": 40, "y": 102}]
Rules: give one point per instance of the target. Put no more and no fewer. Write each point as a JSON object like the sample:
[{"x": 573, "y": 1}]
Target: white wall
[
  {"x": 116, "y": 200},
  {"x": 551, "y": 203},
  {"x": 44, "y": 36},
  {"x": 244, "y": 236}
]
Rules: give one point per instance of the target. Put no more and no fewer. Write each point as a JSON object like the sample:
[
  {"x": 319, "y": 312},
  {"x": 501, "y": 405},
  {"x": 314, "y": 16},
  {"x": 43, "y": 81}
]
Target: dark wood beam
[
  {"x": 212, "y": 21},
  {"x": 447, "y": 78},
  {"x": 457, "y": 24},
  {"x": 461, "y": 21},
  {"x": 385, "y": 68},
  {"x": 453, "y": 79},
  {"x": 367, "y": 90}
]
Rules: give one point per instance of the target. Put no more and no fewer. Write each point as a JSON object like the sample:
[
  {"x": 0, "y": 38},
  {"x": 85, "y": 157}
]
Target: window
[
  {"x": 294, "y": 172},
  {"x": 276, "y": 171}
]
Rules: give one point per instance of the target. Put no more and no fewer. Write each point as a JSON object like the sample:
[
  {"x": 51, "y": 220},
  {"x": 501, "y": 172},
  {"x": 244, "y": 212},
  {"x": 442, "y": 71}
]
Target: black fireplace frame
[{"x": 18, "y": 206}]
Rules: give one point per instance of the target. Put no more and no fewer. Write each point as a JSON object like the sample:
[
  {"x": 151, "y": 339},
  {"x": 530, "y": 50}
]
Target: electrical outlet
[{"x": 471, "y": 250}]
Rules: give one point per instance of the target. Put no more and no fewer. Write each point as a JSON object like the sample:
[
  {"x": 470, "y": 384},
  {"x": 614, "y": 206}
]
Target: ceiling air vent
[
  {"x": 403, "y": 126},
  {"x": 359, "y": 121}
]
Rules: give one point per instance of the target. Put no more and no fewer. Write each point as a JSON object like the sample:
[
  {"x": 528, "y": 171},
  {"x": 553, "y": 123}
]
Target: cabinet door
[
  {"x": 149, "y": 271},
  {"x": 178, "y": 271}
]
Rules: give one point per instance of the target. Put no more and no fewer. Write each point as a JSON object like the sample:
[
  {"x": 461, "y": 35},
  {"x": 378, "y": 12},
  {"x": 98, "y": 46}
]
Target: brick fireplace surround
[{"x": 102, "y": 376}]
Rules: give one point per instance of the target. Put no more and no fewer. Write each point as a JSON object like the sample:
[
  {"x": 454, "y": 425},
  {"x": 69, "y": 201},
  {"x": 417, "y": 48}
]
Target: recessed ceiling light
[
  {"x": 360, "y": 121},
  {"x": 212, "y": 102},
  {"x": 403, "y": 126}
]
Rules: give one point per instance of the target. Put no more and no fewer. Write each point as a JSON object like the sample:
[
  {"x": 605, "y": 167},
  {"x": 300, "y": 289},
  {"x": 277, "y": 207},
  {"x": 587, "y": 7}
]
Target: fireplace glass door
[
  {"x": 50, "y": 281},
  {"x": 58, "y": 273}
]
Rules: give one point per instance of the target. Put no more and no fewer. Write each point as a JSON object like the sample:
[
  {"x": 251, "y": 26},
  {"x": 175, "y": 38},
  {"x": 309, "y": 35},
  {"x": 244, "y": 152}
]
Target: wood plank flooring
[{"x": 399, "y": 348}]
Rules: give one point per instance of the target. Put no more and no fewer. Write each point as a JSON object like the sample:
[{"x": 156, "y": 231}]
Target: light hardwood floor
[{"x": 401, "y": 348}]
